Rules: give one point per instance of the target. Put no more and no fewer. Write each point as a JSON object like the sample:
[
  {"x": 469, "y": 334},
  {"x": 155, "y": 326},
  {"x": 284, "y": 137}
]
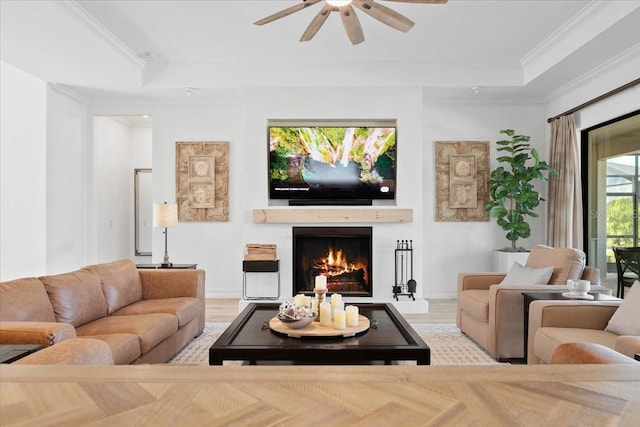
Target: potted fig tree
[{"x": 512, "y": 194}]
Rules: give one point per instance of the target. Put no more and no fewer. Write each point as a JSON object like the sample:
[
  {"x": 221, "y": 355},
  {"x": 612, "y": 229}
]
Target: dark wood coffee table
[
  {"x": 9, "y": 353},
  {"x": 389, "y": 339}
]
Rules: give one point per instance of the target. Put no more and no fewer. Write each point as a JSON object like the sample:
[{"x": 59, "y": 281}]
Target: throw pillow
[
  {"x": 626, "y": 319},
  {"x": 521, "y": 275}
]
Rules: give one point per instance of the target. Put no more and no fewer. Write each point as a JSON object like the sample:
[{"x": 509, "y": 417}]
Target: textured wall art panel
[
  {"x": 202, "y": 181},
  {"x": 462, "y": 172}
]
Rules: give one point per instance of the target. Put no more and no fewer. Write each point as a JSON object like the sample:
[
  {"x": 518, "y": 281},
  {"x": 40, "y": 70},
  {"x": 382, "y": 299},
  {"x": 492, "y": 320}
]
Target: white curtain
[{"x": 565, "y": 189}]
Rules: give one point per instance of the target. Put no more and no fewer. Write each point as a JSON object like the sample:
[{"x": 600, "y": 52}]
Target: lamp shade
[{"x": 165, "y": 214}]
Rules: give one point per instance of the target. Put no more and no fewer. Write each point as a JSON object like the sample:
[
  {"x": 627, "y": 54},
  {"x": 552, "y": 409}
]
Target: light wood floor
[
  {"x": 440, "y": 311},
  {"x": 156, "y": 395}
]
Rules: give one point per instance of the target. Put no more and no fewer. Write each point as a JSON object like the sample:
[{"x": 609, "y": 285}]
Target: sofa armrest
[
  {"x": 567, "y": 314},
  {"x": 628, "y": 345},
  {"x": 506, "y": 318},
  {"x": 43, "y": 333},
  {"x": 77, "y": 351},
  {"x": 172, "y": 283},
  {"x": 478, "y": 280}
]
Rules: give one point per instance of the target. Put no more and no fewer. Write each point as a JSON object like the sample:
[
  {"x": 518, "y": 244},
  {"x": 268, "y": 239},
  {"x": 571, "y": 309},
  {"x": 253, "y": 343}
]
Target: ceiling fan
[{"x": 350, "y": 20}]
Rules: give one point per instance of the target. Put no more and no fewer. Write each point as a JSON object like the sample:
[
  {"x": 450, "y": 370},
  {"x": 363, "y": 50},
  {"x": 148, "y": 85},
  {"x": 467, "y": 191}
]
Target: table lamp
[{"x": 165, "y": 215}]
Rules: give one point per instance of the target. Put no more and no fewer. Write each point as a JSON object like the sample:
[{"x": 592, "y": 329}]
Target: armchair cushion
[
  {"x": 76, "y": 297},
  {"x": 120, "y": 283},
  {"x": 626, "y": 319},
  {"x": 521, "y": 275},
  {"x": 567, "y": 263}
]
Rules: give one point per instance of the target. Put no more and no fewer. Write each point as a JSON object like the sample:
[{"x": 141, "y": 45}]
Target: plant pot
[{"x": 502, "y": 261}]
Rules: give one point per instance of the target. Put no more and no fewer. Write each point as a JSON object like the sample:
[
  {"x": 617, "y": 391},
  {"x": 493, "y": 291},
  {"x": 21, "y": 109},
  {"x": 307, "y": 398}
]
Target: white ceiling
[{"x": 151, "y": 49}]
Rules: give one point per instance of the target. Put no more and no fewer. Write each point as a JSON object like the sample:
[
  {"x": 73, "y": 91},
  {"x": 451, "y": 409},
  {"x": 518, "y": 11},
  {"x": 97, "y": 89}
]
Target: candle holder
[{"x": 320, "y": 299}]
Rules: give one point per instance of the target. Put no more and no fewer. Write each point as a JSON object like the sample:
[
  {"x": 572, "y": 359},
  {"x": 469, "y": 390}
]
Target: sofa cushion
[
  {"x": 475, "y": 302},
  {"x": 185, "y": 308},
  {"x": 567, "y": 263},
  {"x": 120, "y": 283},
  {"x": 151, "y": 329},
  {"x": 125, "y": 348},
  {"x": 25, "y": 299},
  {"x": 626, "y": 319},
  {"x": 521, "y": 275},
  {"x": 547, "y": 339},
  {"x": 76, "y": 297}
]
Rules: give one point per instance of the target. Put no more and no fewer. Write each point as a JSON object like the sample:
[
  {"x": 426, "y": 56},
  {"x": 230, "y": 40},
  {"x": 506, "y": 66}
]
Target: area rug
[{"x": 448, "y": 346}]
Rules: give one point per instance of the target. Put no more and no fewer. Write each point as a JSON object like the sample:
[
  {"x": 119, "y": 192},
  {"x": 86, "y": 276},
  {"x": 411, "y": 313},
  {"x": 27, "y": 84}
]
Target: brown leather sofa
[
  {"x": 492, "y": 313},
  {"x": 144, "y": 316}
]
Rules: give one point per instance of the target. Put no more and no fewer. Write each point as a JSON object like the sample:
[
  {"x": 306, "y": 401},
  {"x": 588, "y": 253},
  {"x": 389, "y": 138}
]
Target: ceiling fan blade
[
  {"x": 286, "y": 12},
  {"x": 351, "y": 24},
  {"x": 385, "y": 15},
  {"x": 420, "y": 1},
  {"x": 316, "y": 23}
]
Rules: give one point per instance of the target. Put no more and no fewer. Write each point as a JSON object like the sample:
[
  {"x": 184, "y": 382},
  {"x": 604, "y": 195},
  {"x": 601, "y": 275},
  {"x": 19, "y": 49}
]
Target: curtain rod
[{"x": 596, "y": 99}]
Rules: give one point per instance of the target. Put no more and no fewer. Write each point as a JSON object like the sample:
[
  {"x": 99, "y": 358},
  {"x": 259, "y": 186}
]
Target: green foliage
[
  {"x": 512, "y": 196},
  {"x": 619, "y": 225}
]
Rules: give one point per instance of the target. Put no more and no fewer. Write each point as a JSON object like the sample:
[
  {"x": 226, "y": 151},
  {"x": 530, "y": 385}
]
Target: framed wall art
[
  {"x": 462, "y": 172},
  {"x": 202, "y": 181}
]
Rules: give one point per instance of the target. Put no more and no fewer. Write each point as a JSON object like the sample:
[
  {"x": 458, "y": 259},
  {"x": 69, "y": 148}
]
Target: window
[{"x": 622, "y": 203}]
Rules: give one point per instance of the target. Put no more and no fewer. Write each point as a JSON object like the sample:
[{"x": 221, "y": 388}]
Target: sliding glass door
[
  {"x": 622, "y": 204},
  {"x": 610, "y": 180}
]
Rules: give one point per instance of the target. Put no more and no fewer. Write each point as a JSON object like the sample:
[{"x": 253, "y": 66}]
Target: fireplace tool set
[{"x": 404, "y": 270}]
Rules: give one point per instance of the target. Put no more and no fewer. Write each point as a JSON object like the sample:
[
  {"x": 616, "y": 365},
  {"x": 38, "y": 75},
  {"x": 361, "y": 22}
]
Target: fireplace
[{"x": 343, "y": 254}]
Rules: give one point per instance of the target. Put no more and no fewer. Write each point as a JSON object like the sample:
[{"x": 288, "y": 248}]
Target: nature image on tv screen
[{"x": 332, "y": 162}]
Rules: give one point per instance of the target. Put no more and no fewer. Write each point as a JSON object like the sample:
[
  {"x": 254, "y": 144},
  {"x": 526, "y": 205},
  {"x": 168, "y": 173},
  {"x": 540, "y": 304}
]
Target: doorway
[{"x": 611, "y": 190}]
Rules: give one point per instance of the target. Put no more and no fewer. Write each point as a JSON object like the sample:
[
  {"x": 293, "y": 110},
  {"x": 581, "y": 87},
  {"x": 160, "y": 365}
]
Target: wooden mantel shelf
[{"x": 314, "y": 215}]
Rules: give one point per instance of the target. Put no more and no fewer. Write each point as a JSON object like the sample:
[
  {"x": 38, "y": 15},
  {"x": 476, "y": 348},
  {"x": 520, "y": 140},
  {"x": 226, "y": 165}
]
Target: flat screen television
[{"x": 321, "y": 164}]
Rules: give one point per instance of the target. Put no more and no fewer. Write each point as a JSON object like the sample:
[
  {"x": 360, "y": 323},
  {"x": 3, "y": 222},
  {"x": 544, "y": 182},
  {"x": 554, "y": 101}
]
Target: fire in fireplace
[{"x": 342, "y": 254}]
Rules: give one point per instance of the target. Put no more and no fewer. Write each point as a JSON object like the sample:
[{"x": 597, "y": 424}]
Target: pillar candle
[
  {"x": 325, "y": 314},
  {"x": 321, "y": 282},
  {"x": 335, "y": 300},
  {"x": 352, "y": 313},
  {"x": 339, "y": 319},
  {"x": 314, "y": 306}
]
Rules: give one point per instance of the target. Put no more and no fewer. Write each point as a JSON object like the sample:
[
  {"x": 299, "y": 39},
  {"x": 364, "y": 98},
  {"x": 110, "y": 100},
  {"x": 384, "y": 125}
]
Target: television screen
[{"x": 332, "y": 163}]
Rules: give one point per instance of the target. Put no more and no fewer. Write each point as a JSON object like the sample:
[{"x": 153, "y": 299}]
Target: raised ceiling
[{"x": 143, "y": 49}]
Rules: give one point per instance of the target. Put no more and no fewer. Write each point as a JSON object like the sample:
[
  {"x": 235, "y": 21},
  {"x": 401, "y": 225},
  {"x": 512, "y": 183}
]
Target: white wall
[
  {"x": 23, "y": 174},
  {"x": 335, "y": 103},
  {"x": 66, "y": 186},
  {"x": 112, "y": 188},
  {"x": 454, "y": 247}
]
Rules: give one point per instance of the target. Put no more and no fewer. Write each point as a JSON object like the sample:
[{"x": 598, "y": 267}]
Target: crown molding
[
  {"x": 88, "y": 21},
  {"x": 66, "y": 90},
  {"x": 587, "y": 24},
  {"x": 613, "y": 64}
]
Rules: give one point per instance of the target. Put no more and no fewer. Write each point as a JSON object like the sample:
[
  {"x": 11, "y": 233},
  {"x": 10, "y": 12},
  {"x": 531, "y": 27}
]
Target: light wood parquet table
[{"x": 159, "y": 395}]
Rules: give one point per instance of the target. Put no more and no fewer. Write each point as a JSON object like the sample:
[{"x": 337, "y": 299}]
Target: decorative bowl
[{"x": 295, "y": 323}]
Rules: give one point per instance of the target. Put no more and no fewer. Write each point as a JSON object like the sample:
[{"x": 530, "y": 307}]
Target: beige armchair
[
  {"x": 492, "y": 314},
  {"x": 553, "y": 323}
]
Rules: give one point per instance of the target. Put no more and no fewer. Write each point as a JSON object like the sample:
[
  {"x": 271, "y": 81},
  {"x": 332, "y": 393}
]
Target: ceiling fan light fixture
[{"x": 338, "y": 3}]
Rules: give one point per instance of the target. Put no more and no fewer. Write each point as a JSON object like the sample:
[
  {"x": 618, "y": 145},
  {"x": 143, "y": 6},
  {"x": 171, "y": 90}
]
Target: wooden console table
[{"x": 160, "y": 395}]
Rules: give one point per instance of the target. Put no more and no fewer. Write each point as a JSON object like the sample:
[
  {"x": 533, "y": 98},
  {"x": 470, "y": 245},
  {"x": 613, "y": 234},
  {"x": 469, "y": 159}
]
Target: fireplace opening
[{"x": 342, "y": 254}]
